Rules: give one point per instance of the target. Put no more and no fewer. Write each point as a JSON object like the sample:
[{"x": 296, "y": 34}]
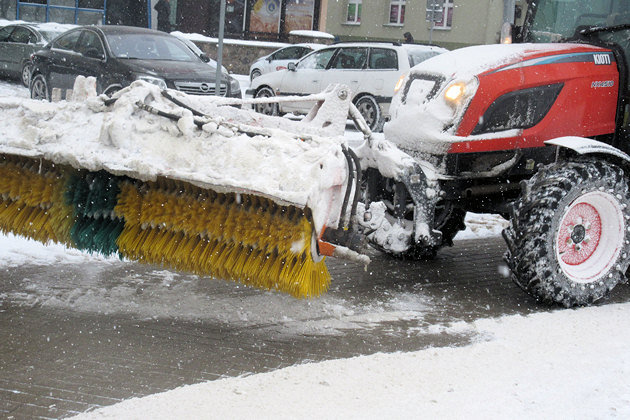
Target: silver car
[{"x": 18, "y": 42}]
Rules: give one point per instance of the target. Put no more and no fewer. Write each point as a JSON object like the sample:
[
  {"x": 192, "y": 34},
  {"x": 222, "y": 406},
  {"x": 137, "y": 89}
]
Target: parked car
[
  {"x": 279, "y": 59},
  {"x": 371, "y": 70},
  {"x": 119, "y": 55},
  {"x": 18, "y": 42}
]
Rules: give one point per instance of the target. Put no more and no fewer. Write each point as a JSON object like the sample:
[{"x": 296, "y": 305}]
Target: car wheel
[
  {"x": 26, "y": 74},
  {"x": 39, "y": 88},
  {"x": 371, "y": 112},
  {"x": 255, "y": 74},
  {"x": 267, "y": 109}
]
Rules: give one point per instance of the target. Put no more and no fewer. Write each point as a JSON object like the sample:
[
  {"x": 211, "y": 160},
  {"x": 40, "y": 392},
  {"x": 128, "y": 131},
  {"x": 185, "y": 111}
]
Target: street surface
[{"x": 79, "y": 336}]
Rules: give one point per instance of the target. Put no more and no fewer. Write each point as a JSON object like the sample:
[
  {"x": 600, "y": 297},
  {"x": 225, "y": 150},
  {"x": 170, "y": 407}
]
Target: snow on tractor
[{"x": 536, "y": 131}]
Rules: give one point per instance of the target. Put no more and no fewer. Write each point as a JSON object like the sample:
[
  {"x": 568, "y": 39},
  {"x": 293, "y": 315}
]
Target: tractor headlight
[
  {"x": 455, "y": 92},
  {"x": 458, "y": 92}
]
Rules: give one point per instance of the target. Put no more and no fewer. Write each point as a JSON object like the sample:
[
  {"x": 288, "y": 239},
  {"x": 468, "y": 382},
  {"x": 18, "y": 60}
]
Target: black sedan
[{"x": 119, "y": 55}]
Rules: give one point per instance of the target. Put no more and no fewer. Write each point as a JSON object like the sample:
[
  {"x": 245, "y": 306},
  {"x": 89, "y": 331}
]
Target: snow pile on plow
[{"x": 165, "y": 178}]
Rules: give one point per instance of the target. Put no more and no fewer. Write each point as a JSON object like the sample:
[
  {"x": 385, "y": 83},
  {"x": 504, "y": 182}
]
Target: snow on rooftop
[{"x": 203, "y": 38}]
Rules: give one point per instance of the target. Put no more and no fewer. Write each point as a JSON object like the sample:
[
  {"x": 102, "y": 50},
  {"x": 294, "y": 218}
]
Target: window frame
[
  {"x": 447, "y": 16},
  {"x": 400, "y": 13},
  {"x": 358, "y": 7},
  {"x": 84, "y": 35},
  {"x": 55, "y": 45}
]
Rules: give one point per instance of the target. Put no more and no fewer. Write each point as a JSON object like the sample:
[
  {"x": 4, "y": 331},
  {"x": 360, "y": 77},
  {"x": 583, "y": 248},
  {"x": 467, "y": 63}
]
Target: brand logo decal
[
  {"x": 603, "y": 84},
  {"x": 601, "y": 58},
  {"x": 204, "y": 87}
]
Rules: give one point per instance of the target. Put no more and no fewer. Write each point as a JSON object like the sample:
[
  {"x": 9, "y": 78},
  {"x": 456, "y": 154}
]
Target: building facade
[
  {"x": 448, "y": 23},
  {"x": 81, "y": 12},
  {"x": 249, "y": 19}
]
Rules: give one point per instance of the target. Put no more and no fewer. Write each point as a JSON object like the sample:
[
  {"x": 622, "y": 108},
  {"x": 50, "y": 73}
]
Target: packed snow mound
[{"x": 230, "y": 150}]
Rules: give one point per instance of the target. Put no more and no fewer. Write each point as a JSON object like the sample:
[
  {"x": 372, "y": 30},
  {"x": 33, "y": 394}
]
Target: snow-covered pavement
[{"x": 570, "y": 364}]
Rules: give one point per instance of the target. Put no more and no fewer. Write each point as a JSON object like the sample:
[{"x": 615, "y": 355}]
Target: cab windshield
[{"x": 555, "y": 20}]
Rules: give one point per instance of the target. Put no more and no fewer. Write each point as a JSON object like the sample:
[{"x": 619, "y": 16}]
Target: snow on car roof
[{"x": 312, "y": 34}]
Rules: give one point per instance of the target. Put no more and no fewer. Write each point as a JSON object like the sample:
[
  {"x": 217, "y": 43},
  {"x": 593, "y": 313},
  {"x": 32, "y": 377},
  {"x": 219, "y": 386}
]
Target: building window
[
  {"x": 447, "y": 16},
  {"x": 354, "y": 11},
  {"x": 397, "y": 12}
]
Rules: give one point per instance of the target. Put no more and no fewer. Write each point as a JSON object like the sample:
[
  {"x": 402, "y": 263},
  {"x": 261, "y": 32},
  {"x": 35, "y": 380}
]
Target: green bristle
[
  {"x": 93, "y": 193},
  {"x": 96, "y": 235}
]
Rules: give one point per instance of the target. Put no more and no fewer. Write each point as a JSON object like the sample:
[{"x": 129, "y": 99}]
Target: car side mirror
[
  {"x": 292, "y": 67},
  {"x": 204, "y": 57},
  {"x": 94, "y": 53},
  {"x": 269, "y": 59}
]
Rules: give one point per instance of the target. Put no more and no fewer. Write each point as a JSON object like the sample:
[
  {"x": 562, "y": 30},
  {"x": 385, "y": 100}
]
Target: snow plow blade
[{"x": 185, "y": 182}]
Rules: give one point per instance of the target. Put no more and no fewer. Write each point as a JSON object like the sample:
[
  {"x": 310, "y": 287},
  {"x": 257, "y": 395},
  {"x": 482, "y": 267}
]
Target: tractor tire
[
  {"x": 267, "y": 109},
  {"x": 568, "y": 238},
  {"x": 371, "y": 112}
]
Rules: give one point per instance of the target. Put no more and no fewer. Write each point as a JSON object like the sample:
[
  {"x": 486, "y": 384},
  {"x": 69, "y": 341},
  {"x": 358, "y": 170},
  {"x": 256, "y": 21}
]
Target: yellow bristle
[
  {"x": 250, "y": 239},
  {"x": 33, "y": 204}
]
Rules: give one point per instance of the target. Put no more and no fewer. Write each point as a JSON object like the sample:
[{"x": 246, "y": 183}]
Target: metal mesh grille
[{"x": 198, "y": 88}]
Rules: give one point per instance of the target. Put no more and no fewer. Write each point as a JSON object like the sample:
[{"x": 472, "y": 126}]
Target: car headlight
[
  {"x": 153, "y": 80},
  {"x": 400, "y": 83},
  {"x": 235, "y": 86}
]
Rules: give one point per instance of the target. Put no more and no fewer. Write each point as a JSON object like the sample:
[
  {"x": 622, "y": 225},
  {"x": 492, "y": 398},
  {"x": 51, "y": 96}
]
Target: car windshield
[
  {"x": 558, "y": 19},
  {"x": 149, "y": 47}
]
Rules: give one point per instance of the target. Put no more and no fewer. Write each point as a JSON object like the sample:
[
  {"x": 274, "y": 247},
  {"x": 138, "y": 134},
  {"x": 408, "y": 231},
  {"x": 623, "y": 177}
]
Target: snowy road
[{"x": 78, "y": 332}]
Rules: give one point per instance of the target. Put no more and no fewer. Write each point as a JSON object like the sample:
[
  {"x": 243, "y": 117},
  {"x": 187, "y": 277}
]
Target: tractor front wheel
[{"x": 569, "y": 235}]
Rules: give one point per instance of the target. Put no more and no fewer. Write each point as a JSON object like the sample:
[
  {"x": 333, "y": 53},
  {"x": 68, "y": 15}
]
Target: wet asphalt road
[{"x": 74, "y": 337}]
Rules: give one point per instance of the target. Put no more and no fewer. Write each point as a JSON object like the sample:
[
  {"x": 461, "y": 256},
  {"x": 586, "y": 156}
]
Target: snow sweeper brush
[{"x": 150, "y": 176}]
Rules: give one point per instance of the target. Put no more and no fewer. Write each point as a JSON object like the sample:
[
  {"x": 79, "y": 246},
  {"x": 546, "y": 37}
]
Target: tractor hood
[{"x": 439, "y": 96}]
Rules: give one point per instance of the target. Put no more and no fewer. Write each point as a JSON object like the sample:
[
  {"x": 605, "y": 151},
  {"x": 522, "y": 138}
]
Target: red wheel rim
[{"x": 579, "y": 234}]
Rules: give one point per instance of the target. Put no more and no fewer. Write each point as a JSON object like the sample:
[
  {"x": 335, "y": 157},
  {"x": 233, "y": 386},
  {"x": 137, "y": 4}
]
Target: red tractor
[{"x": 536, "y": 131}]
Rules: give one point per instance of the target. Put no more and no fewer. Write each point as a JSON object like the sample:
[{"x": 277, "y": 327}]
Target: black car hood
[{"x": 172, "y": 70}]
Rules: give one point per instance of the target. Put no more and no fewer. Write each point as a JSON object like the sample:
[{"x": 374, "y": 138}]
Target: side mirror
[
  {"x": 269, "y": 59},
  {"x": 292, "y": 67},
  {"x": 204, "y": 57},
  {"x": 94, "y": 53}
]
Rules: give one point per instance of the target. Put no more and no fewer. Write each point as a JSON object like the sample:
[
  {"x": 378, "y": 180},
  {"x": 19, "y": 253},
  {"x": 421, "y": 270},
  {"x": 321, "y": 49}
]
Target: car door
[
  {"x": 21, "y": 44},
  {"x": 383, "y": 71},
  {"x": 62, "y": 61},
  {"x": 347, "y": 67},
  {"x": 5, "y": 48},
  {"x": 305, "y": 79},
  {"x": 91, "y": 59}
]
